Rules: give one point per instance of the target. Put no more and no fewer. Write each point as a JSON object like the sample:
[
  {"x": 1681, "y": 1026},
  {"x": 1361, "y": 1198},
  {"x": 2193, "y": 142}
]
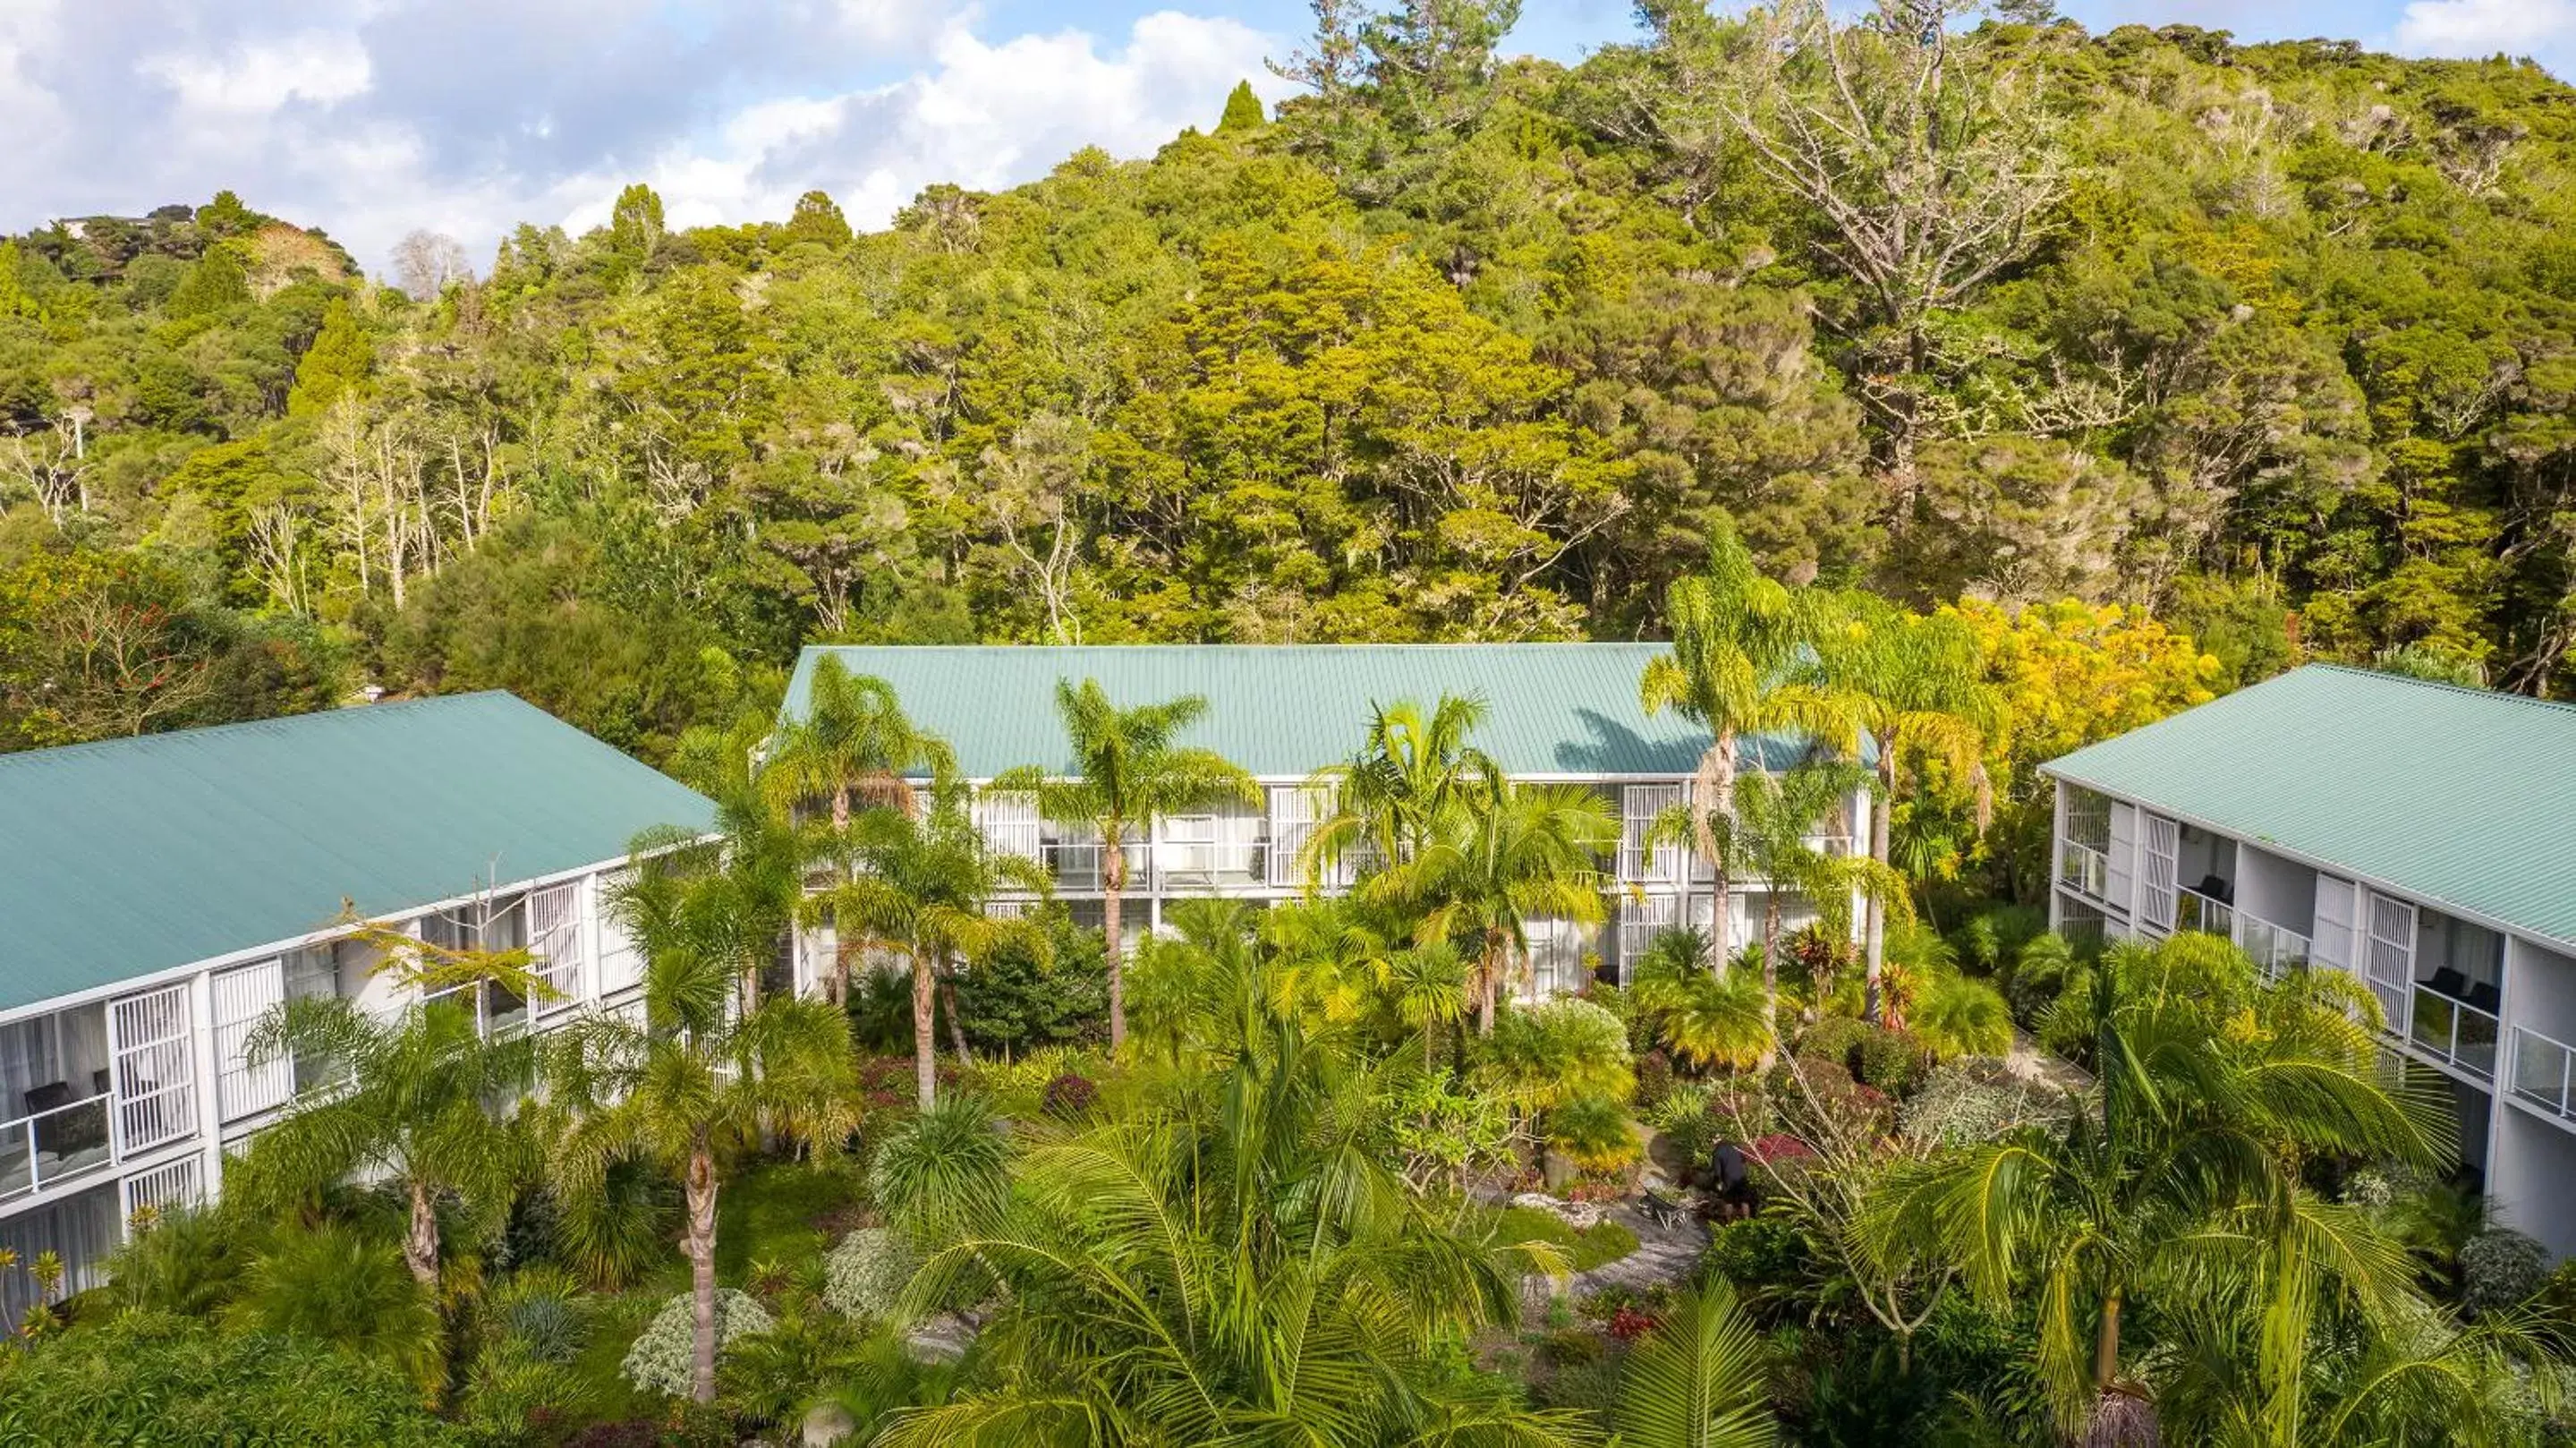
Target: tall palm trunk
[
  {"x": 1770, "y": 976},
  {"x": 1489, "y": 966},
  {"x": 1712, "y": 791},
  {"x": 925, "y": 1063},
  {"x": 836, "y": 981},
  {"x": 420, "y": 1244},
  {"x": 2106, "y": 1346},
  {"x": 956, "y": 1018},
  {"x": 1113, "y": 883},
  {"x": 701, "y": 1249},
  {"x": 1881, "y": 809}
]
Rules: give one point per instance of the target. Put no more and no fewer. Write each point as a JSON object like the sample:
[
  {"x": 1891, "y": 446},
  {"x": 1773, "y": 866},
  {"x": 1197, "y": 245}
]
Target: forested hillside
[{"x": 2277, "y": 342}]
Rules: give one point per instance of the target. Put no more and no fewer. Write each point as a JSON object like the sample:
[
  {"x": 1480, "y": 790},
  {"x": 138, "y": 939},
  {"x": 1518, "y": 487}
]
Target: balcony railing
[
  {"x": 53, "y": 1145},
  {"x": 2273, "y": 948},
  {"x": 2455, "y": 1032},
  {"x": 2085, "y": 868},
  {"x": 2544, "y": 1070},
  {"x": 2205, "y": 913}
]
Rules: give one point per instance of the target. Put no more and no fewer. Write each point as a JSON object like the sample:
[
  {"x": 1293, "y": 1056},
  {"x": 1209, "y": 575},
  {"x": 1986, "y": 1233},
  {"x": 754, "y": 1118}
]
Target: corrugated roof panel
[
  {"x": 1283, "y": 711},
  {"x": 133, "y": 856},
  {"x": 2458, "y": 795}
]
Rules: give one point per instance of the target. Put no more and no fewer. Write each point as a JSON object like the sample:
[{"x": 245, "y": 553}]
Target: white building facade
[
  {"x": 146, "y": 953},
  {"x": 2420, "y": 837},
  {"x": 1556, "y": 713}
]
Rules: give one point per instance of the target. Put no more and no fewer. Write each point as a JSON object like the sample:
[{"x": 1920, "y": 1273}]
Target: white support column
[{"x": 210, "y": 1110}]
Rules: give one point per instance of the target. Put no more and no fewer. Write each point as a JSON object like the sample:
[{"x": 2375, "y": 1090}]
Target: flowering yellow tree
[{"x": 2065, "y": 675}]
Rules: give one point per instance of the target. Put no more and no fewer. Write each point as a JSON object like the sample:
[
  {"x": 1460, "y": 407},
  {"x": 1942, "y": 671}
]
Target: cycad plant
[
  {"x": 701, "y": 1077},
  {"x": 1709, "y": 1020},
  {"x": 2213, "y": 1089},
  {"x": 1127, "y": 772},
  {"x": 922, "y": 885}
]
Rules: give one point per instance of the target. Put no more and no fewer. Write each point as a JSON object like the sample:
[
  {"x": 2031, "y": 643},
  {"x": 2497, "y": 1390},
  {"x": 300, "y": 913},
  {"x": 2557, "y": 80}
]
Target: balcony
[
  {"x": 2274, "y": 948},
  {"x": 2084, "y": 869},
  {"x": 2544, "y": 1070},
  {"x": 50, "y": 1146},
  {"x": 2194, "y": 910},
  {"x": 2454, "y": 1032}
]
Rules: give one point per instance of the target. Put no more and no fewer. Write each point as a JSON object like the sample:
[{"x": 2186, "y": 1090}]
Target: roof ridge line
[
  {"x": 165, "y": 737},
  {"x": 2506, "y": 696}
]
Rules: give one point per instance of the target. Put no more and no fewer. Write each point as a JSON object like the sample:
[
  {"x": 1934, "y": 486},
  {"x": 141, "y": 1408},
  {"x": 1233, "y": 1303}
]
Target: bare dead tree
[
  {"x": 1930, "y": 158},
  {"x": 52, "y": 464},
  {"x": 426, "y": 261},
  {"x": 279, "y": 556},
  {"x": 1028, "y": 497}
]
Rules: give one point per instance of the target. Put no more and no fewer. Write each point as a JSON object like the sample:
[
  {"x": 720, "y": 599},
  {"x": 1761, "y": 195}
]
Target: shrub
[
  {"x": 1836, "y": 1039},
  {"x": 2500, "y": 1268},
  {"x": 663, "y": 1360},
  {"x": 1892, "y": 1061},
  {"x": 2038, "y": 976},
  {"x": 1963, "y": 1016},
  {"x": 1654, "y": 1079},
  {"x": 1594, "y": 1133},
  {"x": 150, "y": 1378},
  {"x": 1557, "y": 1051},
  {"x": 866, "y": 1273},
  {"x": 1963, "y": 1103},
  {"x": 1686, "y": 1119},
  {"x": 1068, "y": 1095},
  {"x": 536, "y": 1309},
  {"x": 943, "y": 1168}
]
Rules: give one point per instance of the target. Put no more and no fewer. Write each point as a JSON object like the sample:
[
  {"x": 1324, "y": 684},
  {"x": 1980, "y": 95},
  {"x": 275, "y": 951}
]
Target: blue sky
[{"x": 372, "y": 118}]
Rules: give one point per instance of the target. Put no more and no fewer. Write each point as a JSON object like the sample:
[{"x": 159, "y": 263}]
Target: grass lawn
[
  {"x": 1592, "y": 1247},
  {"x": 767, "y": 1213}
]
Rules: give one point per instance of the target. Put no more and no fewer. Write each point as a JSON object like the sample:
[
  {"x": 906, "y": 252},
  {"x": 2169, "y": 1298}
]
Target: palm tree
[
  {"x": 1128, "y": 775},
  {"x": 1231, "y": 1265},
  {"x": 1696, "y": 1380},
  {"x": 1775, "y": 816},
  {"x": 854, "y": 742},
  {"x": 922, "y": 886},
  {"x": 702, "y": 1075},
  {"x": 1429, "y": 986},
  {"x": 2212, "y": 1090},
  {"x": 1388, "y": 801},
  {"x": 1501, "y": 858},
  {"x": 1738, "y": 639},
  {"x": 422, "y": 1101},
  {"x": 1911, "y": 686}
]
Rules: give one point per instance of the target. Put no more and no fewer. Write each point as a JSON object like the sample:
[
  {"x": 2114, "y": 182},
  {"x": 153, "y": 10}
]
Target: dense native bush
[
  {"x": 149, "y": 1378},
  {"x": 662, "y": 1359}
]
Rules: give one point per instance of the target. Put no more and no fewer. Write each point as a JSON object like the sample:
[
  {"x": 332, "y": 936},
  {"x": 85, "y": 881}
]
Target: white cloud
[
  {"x": 369, "y": 119},
  {"x": 255, "y": 76},
  {"x": 2543, "y": 29}
]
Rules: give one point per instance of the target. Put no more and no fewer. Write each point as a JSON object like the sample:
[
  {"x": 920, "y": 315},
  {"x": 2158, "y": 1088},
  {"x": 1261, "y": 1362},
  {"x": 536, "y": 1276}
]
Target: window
[
  {"x": 1293, "y": 811},
  {"x": 2156, "y": 902},
  {"x": 621, "y": 965},
  {"x": 554, "y": 946},
  {"x": 1009, "y": 823},
  {"x": 1640, "y": 806},
  {"x": 156, "y": 1084},
  {"x": 242, "y": 997},
  {"x": 1640, "y": 921}
]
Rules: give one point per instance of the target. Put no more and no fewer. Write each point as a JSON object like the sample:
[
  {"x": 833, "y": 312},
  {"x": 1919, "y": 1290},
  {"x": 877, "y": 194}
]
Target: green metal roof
[
  {"x": 1283, "y": 711},
  {"x": 2458, "y": 795},
  {"x": 134, "y": 856}
]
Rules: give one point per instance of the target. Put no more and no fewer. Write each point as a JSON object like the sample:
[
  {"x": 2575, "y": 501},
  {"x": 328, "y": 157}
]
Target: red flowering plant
[{"x": 1629, "y": 1324}]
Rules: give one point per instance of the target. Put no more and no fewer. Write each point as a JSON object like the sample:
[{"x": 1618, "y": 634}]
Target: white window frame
[
  {"x": 178, "y": 1184},
  {"x": 241, "y": 997},
  {"x": 1639, "y": 807},
  {"x": 151, "y": 1041},
  {"x": 555, "y": 943},
  {"x": 2160, "y": 854}
]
